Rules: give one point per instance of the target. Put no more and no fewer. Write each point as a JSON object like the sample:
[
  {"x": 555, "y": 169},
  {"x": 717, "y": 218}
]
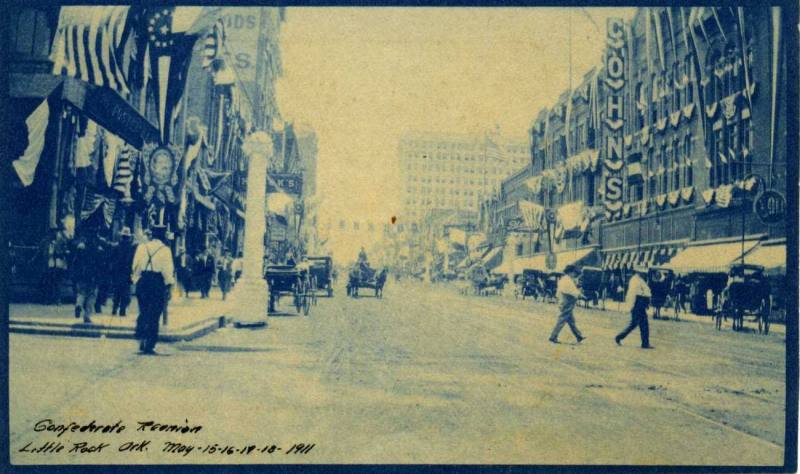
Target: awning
[
  {"x": 493, "y": 258},
  {"x": 771, "y": 257},
  {"x": 538, "y": 262},
  {"x": 709, "y": 258}
]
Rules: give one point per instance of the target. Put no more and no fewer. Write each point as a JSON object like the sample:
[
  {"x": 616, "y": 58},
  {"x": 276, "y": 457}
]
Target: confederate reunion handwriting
[{"x": 67, "y": 445}]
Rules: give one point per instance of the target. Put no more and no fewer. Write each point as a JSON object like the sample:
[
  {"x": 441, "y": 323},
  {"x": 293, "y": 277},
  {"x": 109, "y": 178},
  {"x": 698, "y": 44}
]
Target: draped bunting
[
  {"x": 661, "y": 200},
  {"x": 729, "y": 106},
  {"x": 688, "y": 110},
  {"x": 645, "y": 135},
  {"x": 570, "y": 215},
  {"x": 675, "y": 118},
  {"x": 708, "y": 196},
  {"x": 123, "y": 174},
  {"x": 36, "y": 123},
  {"x": 97, "y": 201},
  {"x": 711, "y": 110},
  {"x": 674, "y": 197},
  {"x": 534, "y": 184},
  {"x": 532, "y": 215},
  {"x": 724, "y": 195}
]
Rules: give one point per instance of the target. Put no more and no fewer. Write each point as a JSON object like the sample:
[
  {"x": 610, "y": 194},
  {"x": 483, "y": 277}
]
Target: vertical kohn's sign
[{"x": 613, "y": 150}]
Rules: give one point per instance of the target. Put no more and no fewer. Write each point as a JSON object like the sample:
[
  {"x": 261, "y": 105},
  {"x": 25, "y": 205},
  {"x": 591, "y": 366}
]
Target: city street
[{"x": 423, "y": 375}]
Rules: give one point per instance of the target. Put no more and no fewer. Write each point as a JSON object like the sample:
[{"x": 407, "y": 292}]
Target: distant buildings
[{"x": 451, "y": 172}]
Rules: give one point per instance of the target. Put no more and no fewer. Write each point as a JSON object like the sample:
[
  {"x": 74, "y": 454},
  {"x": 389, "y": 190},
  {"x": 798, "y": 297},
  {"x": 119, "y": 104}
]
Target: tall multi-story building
[
  {"x": 657, "y": 156},
  {"x": 453, "y": 172}
]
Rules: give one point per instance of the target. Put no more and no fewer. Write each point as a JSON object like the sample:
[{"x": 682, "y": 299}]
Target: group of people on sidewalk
[
  {"x": 100, "y": 269},
  {"x": 637, "y": 299}
]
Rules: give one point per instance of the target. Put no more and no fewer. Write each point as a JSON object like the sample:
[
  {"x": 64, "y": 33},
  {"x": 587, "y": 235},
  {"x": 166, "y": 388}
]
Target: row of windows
[{"x": 431, "y": 145}]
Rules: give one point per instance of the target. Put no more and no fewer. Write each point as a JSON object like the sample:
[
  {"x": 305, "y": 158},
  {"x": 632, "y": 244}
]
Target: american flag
[
  {"x": 88, "y": 45},
  {"x": 123, "y": 174},
  {"x": 213, "y": 44}
]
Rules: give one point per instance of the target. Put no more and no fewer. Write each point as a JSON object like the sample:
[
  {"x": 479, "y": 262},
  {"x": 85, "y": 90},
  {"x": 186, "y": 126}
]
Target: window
[
  {"x": 520, "y": 249},
  {"x": 30, "y": 34}
]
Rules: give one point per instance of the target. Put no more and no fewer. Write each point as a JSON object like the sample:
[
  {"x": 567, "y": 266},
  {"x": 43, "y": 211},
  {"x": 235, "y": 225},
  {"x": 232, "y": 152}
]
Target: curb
[{"x": 187, "y": 333}]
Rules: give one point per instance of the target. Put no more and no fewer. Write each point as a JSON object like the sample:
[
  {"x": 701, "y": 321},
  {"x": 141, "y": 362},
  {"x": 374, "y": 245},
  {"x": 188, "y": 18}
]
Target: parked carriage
[
  {"x": 551, "y": 286},
  {"x": 484, "y": 283},
  {"x": 747, "y": 293},
  {"x": 530, "y": 284},
  {"x": 660, "y": 282},
  {"x": 322, "y": 274},
  {"x": 365, "y": 277},
  {"x": 290, "y": 280},
  {"x": 592, "y": 284}
]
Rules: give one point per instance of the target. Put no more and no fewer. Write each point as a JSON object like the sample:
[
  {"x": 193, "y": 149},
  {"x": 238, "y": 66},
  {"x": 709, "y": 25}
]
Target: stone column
[{"x": 250, "y": 295}]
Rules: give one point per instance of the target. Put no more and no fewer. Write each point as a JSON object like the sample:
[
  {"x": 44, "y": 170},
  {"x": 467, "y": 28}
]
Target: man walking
[
  {"x": 637, "y": 299},
  {"x": 84, "y": 275},
  {"x": 122, "y": 265},
  {"x": 567, "y": 293},
  {"x": 153, "y": 274}
]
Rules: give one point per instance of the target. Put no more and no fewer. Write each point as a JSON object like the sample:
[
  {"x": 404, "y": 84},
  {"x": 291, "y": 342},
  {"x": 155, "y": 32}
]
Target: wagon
[
  {"x": 592, "y": 284},
  {"x": 747, "y": 292},
  {"x": 530, "y": 283},
  {"x": 290, "y": 280},
  {"x": 322, "y": 274},
  {"x": 660, "y": 282}
]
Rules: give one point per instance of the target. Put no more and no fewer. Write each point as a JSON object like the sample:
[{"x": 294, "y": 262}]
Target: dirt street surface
[{"x": 424, "y": 375}]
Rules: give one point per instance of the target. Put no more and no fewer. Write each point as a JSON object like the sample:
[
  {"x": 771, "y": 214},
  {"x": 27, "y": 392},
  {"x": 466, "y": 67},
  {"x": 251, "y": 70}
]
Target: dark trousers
[
  {"x": 122, "y": 298},
  {"x": 567, "y": 317},
  {"x": 151, "y": 295},
  {"x": 638, "y": 318},
  {"x": 52, "y": 285}
]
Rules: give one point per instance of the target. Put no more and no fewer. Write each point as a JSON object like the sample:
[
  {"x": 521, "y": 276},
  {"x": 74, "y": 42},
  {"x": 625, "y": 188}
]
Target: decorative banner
[
  {"x": 614, "y": 149},
  {"x": 160, "y": 172}
]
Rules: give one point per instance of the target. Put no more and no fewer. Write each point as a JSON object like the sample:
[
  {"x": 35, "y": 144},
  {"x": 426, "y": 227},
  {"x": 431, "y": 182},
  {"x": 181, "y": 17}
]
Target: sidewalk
[{"x": 188, "y": 318}]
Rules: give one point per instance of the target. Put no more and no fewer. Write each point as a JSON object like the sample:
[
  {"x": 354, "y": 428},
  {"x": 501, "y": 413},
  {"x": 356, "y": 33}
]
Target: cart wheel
[
  {"x": 306, "y": 304},
  {"x": 314, "y": 291}
]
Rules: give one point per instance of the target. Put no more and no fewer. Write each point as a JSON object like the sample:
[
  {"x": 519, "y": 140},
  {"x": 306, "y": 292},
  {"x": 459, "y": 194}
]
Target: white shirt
[
  {"x": 160, "y": 260},
  {"x": 636, "y": 287},
  {"x": 566, "y": 286}
]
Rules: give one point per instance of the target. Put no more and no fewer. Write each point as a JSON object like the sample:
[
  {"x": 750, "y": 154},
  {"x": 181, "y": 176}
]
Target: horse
[{"x": 366, "y": 278}]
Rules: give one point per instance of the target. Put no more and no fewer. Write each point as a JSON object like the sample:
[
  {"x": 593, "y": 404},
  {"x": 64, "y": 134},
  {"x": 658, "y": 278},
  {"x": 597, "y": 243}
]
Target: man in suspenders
[{"x": 153, "y": 276}]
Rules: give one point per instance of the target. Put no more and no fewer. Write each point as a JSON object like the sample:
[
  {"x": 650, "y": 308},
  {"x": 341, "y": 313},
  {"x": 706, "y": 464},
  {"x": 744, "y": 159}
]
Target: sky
[{"x": 361, "y": 77}]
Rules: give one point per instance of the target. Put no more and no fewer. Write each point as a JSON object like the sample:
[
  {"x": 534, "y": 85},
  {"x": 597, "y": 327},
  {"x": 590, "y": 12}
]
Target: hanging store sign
[
  {"x": 288, "y": 183},
  {"x": 613, "y": 151},
  {"x": 770, "y": 207}
]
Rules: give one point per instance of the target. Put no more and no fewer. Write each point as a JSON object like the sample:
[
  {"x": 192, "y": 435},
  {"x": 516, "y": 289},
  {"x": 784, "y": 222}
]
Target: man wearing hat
[
  {"x": 567, "y": 293},
  {"x": 637, "y": 299},
  {"x": 121, "y": 267},
  {"x": 153, "y": 274}
]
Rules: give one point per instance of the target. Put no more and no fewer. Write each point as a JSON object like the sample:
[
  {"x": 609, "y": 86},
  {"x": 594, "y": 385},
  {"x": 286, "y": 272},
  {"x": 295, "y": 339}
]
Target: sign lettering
[{"x": 614, "y": 107}]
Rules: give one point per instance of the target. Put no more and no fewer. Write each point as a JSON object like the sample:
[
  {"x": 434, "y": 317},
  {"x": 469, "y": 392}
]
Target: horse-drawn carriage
[
  {"x": 530, "y": 283},
  {"x": 362, "y": 276},
  {"x": 484, "y": 283},
  {"x": 322, "y": 272},
  {"x": 291, "y": 280},
  {"x": 660, "y": 282},
  {"x": 747, "y": 292},
  {"x": 592, "y": 284}
]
